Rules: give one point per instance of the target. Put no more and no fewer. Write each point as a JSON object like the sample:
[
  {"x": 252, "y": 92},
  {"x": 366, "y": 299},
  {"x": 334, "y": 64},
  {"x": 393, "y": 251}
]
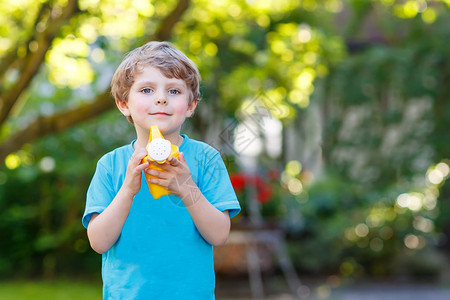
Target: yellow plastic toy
[{"x": 159, "y": 150}]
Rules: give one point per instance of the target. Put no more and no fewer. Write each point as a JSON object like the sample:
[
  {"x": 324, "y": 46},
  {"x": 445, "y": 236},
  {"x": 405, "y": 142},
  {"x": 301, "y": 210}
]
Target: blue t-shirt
[{"x": 160, "y": 254}]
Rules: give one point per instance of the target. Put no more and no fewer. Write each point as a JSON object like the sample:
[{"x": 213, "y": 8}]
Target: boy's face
[{"x": 157, "y": 100}]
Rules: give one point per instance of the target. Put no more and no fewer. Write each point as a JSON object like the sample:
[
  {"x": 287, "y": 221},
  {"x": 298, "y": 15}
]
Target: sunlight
[
  {"x": 211, "y": 49},
  {"x": 293, "y": 168},
  {"x": 234, "y": 10},
  {"x": 444, "y": 168},
  {"x": 263, "y": 20},
  {"x": 5, "y": 43},
  {"x": 271, "y": 5},
  {"x": 98, "y": 55},
  {"x": 278, "y": 46},
  {"x": 68, "y": 64},
  {"x": 144, "y": 7},
  {"x": 15, "y": 160},
  {"x": 18, "y": 4},
  {"x": 423, "y": 224},
  {"x": 437, "y": 174},
  {"x": 89, "y": 32},
  {"x": 295, "y": 186},
  {"x": 305, "y": 80},
  {"x": 12, "y": 161},
  {"x": 298, "y": 97},
  {"x": 287, "y": 29},
  {"x": 310, "y": 58},
  {"x": 429, "y": 16},
  {"x": 414, "y": 242},
  {"x": 304, "y": 33},
  {"x": 47, "y": 164},
  {"x": 85, "y": 4},
  {"x": 412, "y": 201},
  {"x": 410, "y": 8},
  {"x": 361, "y": 230}
]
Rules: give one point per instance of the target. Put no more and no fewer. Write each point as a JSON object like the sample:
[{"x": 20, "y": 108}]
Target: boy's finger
[
  {"x": 143, "y": 166},
  {"x": 156, "y": 173},
  {"x": 173, "y": 161}
]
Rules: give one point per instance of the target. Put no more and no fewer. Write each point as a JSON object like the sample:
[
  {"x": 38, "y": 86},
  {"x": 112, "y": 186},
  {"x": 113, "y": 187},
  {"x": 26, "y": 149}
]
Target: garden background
[{"x": 332, "y": 116}]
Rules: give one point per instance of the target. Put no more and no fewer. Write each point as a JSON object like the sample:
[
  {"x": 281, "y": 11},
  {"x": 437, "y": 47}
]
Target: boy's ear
[
  {"x": 123, "y": 107},
  {"x": 191, "y": 108}
]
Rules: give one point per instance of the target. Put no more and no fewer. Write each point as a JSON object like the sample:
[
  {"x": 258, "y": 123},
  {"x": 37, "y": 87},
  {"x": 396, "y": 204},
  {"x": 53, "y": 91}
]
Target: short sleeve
[
  {"x": 215, "y": 183},
  {"x": 100, "y": 192}
]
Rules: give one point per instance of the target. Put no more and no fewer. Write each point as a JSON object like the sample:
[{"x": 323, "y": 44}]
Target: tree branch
[
  {"x": 35, "y": 59},
  {"x": 43, "y": 126},
  {"x": 11, "y": 58},
  {"x": 166, "y": 26}
]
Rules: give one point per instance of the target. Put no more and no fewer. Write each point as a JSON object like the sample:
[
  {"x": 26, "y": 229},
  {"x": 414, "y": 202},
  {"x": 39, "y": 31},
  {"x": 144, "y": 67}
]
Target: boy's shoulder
[
  {"x": 120, "y": 153},
  {"x": 198, "y": 147}
]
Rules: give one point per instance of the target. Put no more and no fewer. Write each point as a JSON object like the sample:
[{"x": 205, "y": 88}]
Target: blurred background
[{"x": 332, "y": 117}]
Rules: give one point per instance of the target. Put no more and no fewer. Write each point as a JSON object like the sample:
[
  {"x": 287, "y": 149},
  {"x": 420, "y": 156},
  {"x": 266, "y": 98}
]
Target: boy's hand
[
  {"x": 176, "y": 177},
  {"x": 132, "y": 182}
]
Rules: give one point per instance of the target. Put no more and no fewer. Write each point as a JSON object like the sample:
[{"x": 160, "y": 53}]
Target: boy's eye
[
  {"x": 174, "y": 92},
  {"x": 146, "y": 90}
]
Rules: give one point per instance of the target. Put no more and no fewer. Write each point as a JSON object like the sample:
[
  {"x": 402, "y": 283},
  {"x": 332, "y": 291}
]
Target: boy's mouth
[{"x": 160, "y": 114}]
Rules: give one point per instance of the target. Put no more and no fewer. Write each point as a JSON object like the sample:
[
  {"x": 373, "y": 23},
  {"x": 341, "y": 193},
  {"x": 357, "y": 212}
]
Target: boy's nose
[{"x": 161, "y": 101}]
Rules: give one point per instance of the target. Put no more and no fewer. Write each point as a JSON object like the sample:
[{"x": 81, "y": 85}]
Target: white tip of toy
[{"x": 159, "y": 149}]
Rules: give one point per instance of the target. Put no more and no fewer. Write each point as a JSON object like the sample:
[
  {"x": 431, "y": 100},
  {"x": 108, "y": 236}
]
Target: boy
[{"x": 158, "y": 248}]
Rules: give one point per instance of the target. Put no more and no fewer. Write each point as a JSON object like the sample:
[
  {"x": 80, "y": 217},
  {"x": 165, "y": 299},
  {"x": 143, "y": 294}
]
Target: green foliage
[
  {"x": 383, "y": 132},
  {"x": 352, "y": 230},
  {"x": 42, "y": 201},
  {"x": 378, "y": 72}
]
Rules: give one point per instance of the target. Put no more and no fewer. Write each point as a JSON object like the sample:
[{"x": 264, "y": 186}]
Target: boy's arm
[
  {"x": 213, "y": 224},
  {"x": 104, "y": 229}
]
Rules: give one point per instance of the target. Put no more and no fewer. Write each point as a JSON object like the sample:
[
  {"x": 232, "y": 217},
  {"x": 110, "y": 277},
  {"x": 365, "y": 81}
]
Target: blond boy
[{"x": 158, "y": 248}]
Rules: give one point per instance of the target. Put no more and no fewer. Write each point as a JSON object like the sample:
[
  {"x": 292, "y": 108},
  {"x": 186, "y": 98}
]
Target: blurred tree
[
  {"x": 53, "y": 38},
  {"x": 57, "y": 58},
  {"x": 376, "y": 70},
  {"x": 384, "y": 144}
]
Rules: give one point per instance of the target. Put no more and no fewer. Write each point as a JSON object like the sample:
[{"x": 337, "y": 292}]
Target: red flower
[
  {"x": 238, "y": 182},
  {"x": 263, "y": 190}
]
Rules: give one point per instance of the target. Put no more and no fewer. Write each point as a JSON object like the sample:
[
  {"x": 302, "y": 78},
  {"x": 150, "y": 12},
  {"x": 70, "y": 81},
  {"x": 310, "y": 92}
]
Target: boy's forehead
[{"x": 152, "y": 74}]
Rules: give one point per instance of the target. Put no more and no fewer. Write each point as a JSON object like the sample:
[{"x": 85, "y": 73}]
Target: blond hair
[{"x": 162, "y": 55}]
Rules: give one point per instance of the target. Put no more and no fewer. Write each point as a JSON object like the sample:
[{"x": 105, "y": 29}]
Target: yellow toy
[{"x": 159, "y": 150}]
